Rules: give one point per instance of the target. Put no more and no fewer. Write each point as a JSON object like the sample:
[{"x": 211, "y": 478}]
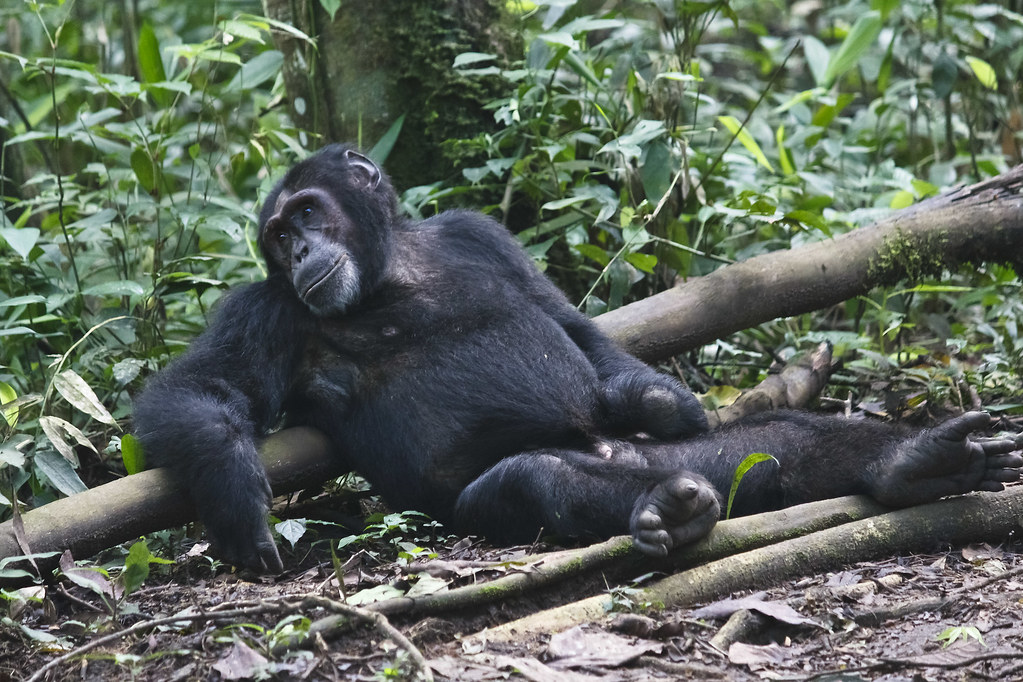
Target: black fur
[{"x": 456, "y": 378}]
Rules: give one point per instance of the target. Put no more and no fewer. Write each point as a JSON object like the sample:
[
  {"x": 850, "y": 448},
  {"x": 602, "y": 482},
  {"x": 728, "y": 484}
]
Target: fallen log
[
  {"x": 149, "y": 501},
  {"x": 969, "y": 225},
  {"x": 977, "y": 517}
]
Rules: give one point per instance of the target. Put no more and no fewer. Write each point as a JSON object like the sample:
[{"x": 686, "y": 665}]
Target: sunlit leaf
[
  {"x": 984, "y": 73},
  {"x": 746, "y": 140},
  {"x": 132, "y": 454},
  {"x": 740, "y": 471}
]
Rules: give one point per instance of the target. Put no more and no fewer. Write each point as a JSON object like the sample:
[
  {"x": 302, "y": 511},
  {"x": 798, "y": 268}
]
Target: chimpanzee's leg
[
  {"x": 667, "y": 494},
  {"x": 569, "y": 493}
]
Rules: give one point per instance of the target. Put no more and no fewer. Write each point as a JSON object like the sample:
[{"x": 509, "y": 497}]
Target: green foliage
[
  {"x": 950, "y": 635},
  {"x": 396, "y": 533},
  {"x": 654, "y": 141},
  {"x": 128, "y": 178}
]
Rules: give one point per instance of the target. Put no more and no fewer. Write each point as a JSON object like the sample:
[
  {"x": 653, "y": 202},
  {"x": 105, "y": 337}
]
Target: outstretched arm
[{"x": 202, "y": 417}]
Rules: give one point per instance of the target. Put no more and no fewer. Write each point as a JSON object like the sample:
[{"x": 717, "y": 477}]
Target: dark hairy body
[{"x": 447, "y": 370}]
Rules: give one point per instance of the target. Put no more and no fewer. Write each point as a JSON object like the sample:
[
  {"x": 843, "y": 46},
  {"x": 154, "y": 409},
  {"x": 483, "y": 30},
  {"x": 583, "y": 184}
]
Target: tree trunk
[{"x": 379, "y": 61}]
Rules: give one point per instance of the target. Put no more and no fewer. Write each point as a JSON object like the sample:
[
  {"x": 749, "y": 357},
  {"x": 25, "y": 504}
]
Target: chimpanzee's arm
[
  {"x": 636, "y": 396},
  {"x": 202, "y": 417}
]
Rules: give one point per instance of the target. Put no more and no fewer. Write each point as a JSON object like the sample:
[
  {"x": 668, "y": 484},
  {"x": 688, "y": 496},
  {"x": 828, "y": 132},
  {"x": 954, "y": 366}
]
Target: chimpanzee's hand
[
  {"x": 946, "y": 460},
  {"x": 652, "y": 403},
  {"x": 233, "y": 508},
  {"x": 675, "y": 512}
]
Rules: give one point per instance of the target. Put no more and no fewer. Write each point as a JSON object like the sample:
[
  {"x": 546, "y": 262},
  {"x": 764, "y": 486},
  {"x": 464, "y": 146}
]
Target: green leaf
[
  {"x": 331, "y": 7},
  {"x": 132, "y": 455},
  {"x": 984, "y": 73},
  {"x": 58, "y": 472},
  {"x": 783, "y": 154},
  {"x": 817, "y": 58},
  {"x": 747, "y": 141},
  {"x": 594, "y": 252},
  {"x": 467, "y": 58},
  {"x": 142, "y": 164},
  {"x": 902, "y": 199},
  {"x": 151, "y": 63},
  {"x": 7, "y": 395},
  {"x": 20, "y": 239},
  {"x": 642, "y": 261},
  {"x": 117, "y": 288},
  {"x": 741, "y": 470},
  {"x": 862, "y": 35},
  {"x": 258, "y": 70},
  {"x": 136, "y": 566},
  {"x": 382, "y": 149},
  {"x": 74, "y": 390}
]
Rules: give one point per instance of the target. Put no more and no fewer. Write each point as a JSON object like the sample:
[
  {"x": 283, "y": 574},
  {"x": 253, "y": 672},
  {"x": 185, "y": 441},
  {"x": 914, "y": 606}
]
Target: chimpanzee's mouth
[{"x": 341, "y": 260}]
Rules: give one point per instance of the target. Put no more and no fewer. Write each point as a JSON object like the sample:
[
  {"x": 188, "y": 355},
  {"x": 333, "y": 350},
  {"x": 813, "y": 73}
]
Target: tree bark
[
  {"x": 376, "y": 62},
  {"x": 974, "y": 224}
]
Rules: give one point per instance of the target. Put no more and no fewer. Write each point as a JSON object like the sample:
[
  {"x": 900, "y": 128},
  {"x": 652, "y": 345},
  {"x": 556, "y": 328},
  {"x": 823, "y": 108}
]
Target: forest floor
[{"x": 956, "y": 614}]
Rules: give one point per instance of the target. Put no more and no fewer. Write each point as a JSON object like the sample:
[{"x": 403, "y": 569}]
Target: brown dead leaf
[
  {"x": 581, "y": 647},
  {"x": 240, "y": 663}
]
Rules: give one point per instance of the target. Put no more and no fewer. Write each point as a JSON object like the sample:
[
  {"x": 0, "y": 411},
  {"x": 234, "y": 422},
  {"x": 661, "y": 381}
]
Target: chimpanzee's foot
[
  {"x": 675, "y": 512},
  {"x": 946, "y": 461}
]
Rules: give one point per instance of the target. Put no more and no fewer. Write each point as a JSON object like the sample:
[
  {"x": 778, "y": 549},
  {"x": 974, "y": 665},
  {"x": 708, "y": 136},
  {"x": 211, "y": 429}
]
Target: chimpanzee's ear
[{"x": 364, "y": 171}]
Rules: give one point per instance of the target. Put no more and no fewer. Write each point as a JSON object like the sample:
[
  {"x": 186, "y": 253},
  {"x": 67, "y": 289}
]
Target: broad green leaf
[
  {"x": 741, "y": 470},
  {"x": 862, "y": 35},
  {"x": 58, "y": 471},
  {"x": 242, "y": 29},
  {"x": 642, "y": 261},
  {"x": 7, "y": 395},
  {"x": 76, "y": 391},
  {"x": 136, "y": 566},
  {"x": 331, "y": 7},
  {"x": 984, "y": 73},
  {"x": 22, "y": 300},
  {"x": 902, "y": 199},
  {"x": 142, "y": 164},
  {"x": 132, "y": 454},
  {"x": 576, "y": 63},
  {"x": 747, "y": 141},
  {"x": 817, "y": 58},
  {"x": 258, "y": 70},
  {"x": 20, "y": 239},
  {"x": 150, "y": 62},
  {"x": 594, "y": 252}
]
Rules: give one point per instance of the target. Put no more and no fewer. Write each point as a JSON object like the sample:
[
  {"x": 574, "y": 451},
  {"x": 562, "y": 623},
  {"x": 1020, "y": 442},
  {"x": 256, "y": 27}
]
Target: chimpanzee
[{"x": 447, "y": 370}]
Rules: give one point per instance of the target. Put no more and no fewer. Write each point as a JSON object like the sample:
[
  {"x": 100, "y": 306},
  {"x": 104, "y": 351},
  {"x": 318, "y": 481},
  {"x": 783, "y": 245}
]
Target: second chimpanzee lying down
[{"x": 447, "y": 370}]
